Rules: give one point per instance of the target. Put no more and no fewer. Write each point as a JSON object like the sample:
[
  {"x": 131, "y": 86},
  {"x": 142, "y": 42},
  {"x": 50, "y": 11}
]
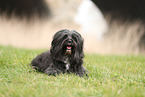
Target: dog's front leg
[
  {"x": 53, "y": 71},
  {"x": 82, "y": 72}
]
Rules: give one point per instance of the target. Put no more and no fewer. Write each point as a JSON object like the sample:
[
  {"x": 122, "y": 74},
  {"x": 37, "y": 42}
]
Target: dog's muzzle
[
  {"x": 68, "y": 50},
  {"x": 69, "y": 47}
]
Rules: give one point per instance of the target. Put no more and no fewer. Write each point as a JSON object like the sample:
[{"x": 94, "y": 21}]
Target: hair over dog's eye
[
  {"x": 65, "y": 36},
  {"x": 75, "y": 39}
]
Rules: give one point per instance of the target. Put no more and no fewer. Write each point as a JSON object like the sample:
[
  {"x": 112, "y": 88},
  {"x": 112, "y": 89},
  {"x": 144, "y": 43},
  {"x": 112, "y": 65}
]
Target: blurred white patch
[{"x": 91, "y": 19}]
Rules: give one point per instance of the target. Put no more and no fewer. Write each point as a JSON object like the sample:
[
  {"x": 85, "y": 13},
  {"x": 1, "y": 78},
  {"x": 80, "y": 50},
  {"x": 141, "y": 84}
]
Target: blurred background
[{"x": 108, "y": 26}]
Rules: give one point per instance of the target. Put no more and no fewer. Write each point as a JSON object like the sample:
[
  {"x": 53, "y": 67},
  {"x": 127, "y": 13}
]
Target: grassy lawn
[{"x": 109, "y": 76}]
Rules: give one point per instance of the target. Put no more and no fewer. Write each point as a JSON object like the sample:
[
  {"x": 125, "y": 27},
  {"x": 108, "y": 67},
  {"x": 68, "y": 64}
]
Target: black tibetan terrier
[{"x": 65, "y": 55}]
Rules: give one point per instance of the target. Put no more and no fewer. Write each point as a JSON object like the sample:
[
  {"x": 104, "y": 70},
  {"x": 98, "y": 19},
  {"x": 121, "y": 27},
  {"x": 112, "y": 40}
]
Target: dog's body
[{"x": 65, "y": 56}]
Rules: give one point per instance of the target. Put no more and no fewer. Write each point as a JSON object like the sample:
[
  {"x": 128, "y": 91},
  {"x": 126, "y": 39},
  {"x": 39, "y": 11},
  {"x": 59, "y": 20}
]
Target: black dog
[{"x": 65, "y": 56}]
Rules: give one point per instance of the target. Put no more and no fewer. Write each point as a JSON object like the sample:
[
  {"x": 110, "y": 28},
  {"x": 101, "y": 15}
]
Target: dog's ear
[
  {"x": 79, "y": 40},
  {"x": 55, "y": 51},
  {"x": 78, "y": 55}
]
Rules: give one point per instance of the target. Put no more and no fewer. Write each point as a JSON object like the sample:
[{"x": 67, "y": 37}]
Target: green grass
[{"x": 109, "y": 76}]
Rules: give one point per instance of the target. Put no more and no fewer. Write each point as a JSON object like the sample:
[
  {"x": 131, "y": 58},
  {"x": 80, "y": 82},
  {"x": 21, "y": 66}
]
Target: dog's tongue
[{"x": 68, "y": 50}]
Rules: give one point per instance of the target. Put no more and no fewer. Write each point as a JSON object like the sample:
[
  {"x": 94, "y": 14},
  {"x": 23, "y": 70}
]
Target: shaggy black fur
[{"x": 65, "y": 56}]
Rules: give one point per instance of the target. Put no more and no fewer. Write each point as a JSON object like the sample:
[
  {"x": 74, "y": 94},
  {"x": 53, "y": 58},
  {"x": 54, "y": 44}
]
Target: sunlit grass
[{"x": 109, "y": 76}]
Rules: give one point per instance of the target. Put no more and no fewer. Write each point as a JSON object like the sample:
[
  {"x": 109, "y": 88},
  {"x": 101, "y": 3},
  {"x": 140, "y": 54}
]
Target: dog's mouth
[
  {"x": 68, "y": 47},
  {"x": 68, "y": 50}
]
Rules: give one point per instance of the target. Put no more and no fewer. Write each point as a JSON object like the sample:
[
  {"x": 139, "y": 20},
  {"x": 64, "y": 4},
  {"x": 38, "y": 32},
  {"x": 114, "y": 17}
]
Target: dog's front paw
[
  {"x": 52, "y": 71},
  {"x": 83, "y": 73}
]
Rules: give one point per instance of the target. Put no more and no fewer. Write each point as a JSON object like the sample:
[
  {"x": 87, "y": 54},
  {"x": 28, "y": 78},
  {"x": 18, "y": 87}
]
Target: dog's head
[{"x": 67, "y": 43}]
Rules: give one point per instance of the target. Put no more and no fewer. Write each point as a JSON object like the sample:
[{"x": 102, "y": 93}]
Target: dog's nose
[{"x": 70, "y": 41}]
